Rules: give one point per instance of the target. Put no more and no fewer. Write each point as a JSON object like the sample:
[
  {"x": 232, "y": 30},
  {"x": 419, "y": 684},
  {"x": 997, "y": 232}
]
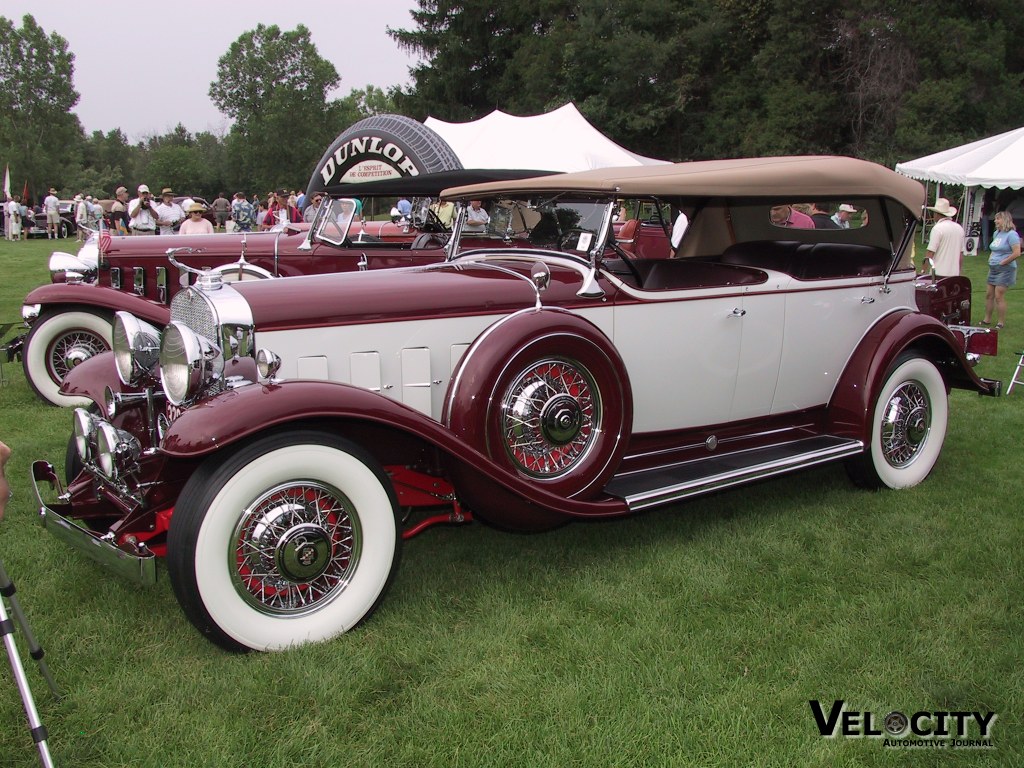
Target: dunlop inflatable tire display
[{"x": 381, "y": 147}]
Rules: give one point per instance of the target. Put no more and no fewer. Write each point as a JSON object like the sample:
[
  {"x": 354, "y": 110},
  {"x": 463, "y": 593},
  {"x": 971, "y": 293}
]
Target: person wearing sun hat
[
  {"x": 170, "y": 213},
  {"x": 51, "y": 207},
  {"x": 946, "y": 241},
  {"x": 195, "y": 224}
]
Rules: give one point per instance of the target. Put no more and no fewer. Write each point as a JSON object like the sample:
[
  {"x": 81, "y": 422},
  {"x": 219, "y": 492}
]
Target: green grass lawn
[{"x": 694, "y": 635}]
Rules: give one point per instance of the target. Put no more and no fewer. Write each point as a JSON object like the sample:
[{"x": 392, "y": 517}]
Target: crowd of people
[{"x": 149, "y": 214}]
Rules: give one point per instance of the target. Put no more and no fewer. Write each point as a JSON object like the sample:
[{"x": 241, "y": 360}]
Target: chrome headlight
[
  {"x": 116, "y": 450},
  {"x": 136, "y": 347},
  {"x": 67, "y": 268},
  {"x": 29, "y": 312},
  {"x": 188, "y": 362}
]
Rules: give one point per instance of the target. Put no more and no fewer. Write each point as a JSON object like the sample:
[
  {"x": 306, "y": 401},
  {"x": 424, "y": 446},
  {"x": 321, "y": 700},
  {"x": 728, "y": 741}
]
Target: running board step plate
[{"x": 664, "y": 485}]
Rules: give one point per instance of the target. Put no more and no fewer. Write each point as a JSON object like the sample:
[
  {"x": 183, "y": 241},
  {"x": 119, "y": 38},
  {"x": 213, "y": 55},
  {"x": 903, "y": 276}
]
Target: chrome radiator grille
[{"x": 191, "y": 308}]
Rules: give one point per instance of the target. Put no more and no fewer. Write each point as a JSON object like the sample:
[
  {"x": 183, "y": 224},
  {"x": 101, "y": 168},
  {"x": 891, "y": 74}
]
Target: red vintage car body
[{"x": 564, "y": 378}]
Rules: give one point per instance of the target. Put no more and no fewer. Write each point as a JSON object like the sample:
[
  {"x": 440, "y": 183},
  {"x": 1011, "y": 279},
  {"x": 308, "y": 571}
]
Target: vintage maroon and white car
[
  {"x": 70, "y": 320},
  {"x": 279, "y": 440}
]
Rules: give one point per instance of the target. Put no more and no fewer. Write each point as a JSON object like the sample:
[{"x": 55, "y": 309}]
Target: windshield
[
  {"x": 333, "y": 220},
  {"x": 559, "y": 223}
]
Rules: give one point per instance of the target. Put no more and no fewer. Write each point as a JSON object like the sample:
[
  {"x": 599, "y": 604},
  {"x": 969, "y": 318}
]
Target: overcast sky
[{"x": 181, "y": 42}]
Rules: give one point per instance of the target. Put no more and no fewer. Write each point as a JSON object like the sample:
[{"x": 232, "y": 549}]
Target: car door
[{"x": 682, "y": 352}]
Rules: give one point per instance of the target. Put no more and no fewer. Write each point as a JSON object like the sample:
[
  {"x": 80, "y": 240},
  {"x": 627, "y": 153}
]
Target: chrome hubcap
[
  {"x": 906, "y": 424},
  {"x": 550, "y": 418},
  {"x": 71, "y": 349},
  {"x": 295, "y": 548}
]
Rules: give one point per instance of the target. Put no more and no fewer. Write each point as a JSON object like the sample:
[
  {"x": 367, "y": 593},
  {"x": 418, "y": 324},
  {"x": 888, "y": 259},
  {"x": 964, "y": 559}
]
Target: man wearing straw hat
[{"x": 946, "y": 242}]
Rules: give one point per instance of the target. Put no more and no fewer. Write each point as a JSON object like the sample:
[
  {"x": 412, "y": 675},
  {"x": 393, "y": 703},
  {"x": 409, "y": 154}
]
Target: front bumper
[{"x": 56, "y": 518}]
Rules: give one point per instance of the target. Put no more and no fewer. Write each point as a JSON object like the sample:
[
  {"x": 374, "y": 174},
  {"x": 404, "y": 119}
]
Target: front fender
[
  {"x": 853, "y": 398},
  {"x": 229, "y": 418},
  {"x": 91, "y": 377},
  {"x": 54, "y": 296}
]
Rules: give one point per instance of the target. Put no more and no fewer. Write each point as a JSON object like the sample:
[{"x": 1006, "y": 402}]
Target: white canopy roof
[
  {"x": 561, "y": 140},
  {"x": 997, "y": 161}
]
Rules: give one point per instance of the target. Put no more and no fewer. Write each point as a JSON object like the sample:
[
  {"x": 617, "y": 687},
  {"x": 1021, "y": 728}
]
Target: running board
[{"x": 664, "y": 485}]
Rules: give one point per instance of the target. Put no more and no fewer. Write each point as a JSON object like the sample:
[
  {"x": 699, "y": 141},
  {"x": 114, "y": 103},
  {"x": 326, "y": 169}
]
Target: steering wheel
[{"x": 628, "y": 261}]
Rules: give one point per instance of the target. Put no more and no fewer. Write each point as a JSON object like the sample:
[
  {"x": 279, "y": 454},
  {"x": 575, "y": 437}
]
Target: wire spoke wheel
[
  {"x": 906, "y": 423},
  {"x": 69, "y": 349},
  {"x": 295, "y": 548},
  {"x": 907, "y": 429},
  {"x": 550, "y": 415}
]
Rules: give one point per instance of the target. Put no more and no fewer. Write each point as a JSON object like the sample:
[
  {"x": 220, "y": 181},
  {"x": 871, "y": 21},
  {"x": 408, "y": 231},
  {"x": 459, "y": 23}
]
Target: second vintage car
[
  {"x": 278, "y": 440},
  {"x": 69, "y": 320}
]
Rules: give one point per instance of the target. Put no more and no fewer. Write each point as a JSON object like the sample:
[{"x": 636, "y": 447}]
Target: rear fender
[
  {"x": 853, "y": 399},
  {"x": 251, "y": 411},
  {"x": 59, "y": 297}
]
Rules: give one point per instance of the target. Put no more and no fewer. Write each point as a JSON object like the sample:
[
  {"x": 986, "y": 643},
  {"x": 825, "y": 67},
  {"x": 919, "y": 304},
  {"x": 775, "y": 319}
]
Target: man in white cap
[
  {"x": 142, "y": 217},
  {"x": 946, "y": 241},
  {"x": 841, "y": 217}
]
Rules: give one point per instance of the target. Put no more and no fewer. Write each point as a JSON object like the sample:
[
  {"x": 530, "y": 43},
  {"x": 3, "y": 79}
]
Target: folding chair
[{"x": 1017, "y": 374}]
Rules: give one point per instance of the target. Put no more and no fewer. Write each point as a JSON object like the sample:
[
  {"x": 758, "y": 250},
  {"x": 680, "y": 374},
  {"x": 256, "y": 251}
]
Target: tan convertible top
[{"x": 796, "y": 178}]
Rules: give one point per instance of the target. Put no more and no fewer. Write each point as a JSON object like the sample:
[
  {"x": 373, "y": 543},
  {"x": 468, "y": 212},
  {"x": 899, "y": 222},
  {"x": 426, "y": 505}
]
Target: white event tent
[
  {"x": 997, "y": 161},
  {"x": 560, "y": 140}
]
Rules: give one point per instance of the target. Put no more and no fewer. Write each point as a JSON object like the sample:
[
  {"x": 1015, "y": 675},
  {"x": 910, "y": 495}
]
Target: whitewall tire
[
  {"x": 908, "y": 427},
  {"x": 289, "y": 540},
  {"x": 57, "y": 343}
]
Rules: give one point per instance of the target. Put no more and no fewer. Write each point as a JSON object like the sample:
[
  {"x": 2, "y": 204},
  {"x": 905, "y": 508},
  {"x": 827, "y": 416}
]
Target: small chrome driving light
[
  {"x": 267, "y": 364},
  {"x": 84, "y": 432},
  {"x": 188, "y": 362},
  {"x": 116, "y": 450},
  {"x": 136, "y": 347},
  {"x": 29, "y": 312}
]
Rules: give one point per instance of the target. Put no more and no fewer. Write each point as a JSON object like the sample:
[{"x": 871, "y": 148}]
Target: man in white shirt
[
  {"x": 13, "y": 208},
  {"x": 168, "y": 212},
  {"x": 946, "y": 241},
  {"x": 51, "y": 209},
  {"x": 82, "y": 218},
  {"x": 477, "y": 218},
  {"x": 679, "y": 229},
  {"x": 142, "y": 215}
]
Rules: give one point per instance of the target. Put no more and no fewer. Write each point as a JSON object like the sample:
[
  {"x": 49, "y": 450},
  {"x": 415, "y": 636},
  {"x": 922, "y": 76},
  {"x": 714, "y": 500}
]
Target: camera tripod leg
[
  {"x": 37, "y": 729},
  {"x": 8, "y": 591}
]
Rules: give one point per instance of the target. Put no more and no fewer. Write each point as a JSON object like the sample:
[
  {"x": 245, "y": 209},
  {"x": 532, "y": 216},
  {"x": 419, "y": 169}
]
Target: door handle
[
  {"x": 739, "y": 312},
  {"x": 867, "y": 300}
]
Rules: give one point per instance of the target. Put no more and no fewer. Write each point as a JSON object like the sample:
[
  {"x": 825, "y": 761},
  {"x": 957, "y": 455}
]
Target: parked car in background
[
  {"x": 277, "y": 441},
  {"x": 35, "y": 224},
  {"x": 69, "y": 321}
]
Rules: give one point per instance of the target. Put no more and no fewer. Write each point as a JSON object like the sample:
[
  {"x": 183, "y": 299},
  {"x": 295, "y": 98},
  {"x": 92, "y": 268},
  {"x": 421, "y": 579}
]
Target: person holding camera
[{"x": 142, "y": 215}]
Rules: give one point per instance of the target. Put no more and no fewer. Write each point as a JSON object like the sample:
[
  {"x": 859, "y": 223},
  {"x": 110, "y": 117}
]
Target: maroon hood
[{"x": 443, "y": 290}]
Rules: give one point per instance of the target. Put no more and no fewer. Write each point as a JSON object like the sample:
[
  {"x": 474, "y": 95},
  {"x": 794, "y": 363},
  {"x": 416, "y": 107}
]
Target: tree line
[{"x": 885, "y": 80}]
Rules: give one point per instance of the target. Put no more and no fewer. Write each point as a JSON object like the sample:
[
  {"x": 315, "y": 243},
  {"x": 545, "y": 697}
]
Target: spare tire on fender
[{"x": 545, "y": 394}]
